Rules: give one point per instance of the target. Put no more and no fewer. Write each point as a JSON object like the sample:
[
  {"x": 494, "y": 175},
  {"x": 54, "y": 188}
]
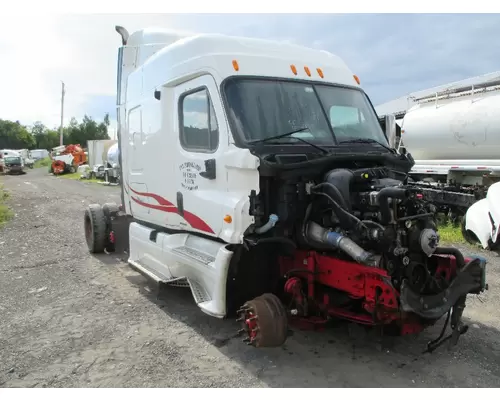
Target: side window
[{"x": 198, "y": 124}]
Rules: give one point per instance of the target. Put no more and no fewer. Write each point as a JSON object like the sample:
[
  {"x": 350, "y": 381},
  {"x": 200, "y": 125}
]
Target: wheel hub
[{"x": 264, "y": 321}]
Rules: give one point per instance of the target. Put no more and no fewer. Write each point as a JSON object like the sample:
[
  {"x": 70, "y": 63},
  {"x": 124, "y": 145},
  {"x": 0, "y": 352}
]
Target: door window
[{"x": 199, "y": 131}]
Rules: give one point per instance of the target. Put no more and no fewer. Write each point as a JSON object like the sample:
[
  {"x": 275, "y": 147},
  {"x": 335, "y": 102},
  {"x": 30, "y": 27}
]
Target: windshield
[
  {"x": 12, "y": 159},
  {"x": 261, "y": 108}
]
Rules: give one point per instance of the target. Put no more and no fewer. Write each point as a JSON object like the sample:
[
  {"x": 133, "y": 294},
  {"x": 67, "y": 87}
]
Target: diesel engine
[{"x": 357, "y": 244}]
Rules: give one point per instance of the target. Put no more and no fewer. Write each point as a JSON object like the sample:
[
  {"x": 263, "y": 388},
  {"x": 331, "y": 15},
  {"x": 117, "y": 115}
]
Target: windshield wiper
[
  {"x": 289, "y": 134},
  {"x": 361, "y": 140}
]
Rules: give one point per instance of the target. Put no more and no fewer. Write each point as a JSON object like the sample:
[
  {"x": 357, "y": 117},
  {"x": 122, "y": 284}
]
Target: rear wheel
[{"x": 95, "y": 228}]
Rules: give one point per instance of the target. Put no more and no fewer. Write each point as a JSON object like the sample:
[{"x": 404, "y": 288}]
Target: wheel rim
[{"x": 264, "y": 321}]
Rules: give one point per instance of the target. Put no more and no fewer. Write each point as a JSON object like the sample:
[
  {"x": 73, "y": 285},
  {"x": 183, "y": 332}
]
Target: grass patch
[
  {"x": 5, "y": 212},
  {"x": 451, "y": 233},
  {"x": 43, "y": 163},
  {"x": 76, "y": 177}
]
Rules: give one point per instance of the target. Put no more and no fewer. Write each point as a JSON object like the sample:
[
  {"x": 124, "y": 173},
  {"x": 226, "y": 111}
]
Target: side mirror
[{"x": 390, "y": 130}]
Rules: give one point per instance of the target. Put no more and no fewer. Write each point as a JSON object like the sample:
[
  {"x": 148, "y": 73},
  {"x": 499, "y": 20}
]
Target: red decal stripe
[
  {"x": 166, "y": 206},
  {"x": 159, "y": 199}
]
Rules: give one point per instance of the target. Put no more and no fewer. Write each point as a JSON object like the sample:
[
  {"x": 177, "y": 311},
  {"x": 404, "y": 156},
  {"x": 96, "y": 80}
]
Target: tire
[
  {"x": 95, "y": 228},
  {"x": 110, "y": 209}
]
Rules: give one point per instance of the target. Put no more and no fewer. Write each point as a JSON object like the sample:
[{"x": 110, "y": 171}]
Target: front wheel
[{"x": 264, "y": 321}]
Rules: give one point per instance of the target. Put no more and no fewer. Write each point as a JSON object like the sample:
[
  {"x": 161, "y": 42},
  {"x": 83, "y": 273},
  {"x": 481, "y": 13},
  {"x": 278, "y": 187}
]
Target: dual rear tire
[{"x": 97, "y": 226}]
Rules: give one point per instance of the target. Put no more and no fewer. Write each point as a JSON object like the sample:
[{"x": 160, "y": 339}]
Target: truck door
[
  {"x": 199, "y": 171},
  {"x": 134, "y": 180}
]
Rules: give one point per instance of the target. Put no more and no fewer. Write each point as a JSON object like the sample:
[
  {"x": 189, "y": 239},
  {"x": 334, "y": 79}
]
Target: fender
[
  {"x": 493, "y": 197},
  {"x": 483, "y": 217}
]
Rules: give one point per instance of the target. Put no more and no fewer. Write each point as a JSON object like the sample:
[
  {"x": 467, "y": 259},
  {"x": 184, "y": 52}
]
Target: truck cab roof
[{"x": 164, "y": 58}]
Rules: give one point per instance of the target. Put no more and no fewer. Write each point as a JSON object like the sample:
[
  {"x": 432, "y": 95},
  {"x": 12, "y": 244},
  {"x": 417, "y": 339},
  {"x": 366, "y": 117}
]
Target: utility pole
[{"x": 62, "y": 115}]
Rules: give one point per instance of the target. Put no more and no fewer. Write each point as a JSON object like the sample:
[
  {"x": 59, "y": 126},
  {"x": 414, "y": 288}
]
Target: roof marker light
[
  {"x": 236, "y": 66},
  {"x": 308, "y": 72},
  {"x": 357, "y": 79},
  {"x": 320, "y": 72},
  {"x": 294, "y": 70}
]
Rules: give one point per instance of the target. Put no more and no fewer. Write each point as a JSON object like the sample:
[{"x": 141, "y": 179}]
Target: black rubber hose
[
  {"x": 341, "y": 179},
  {"x": 334, "y": 192},
  {"x": 340, "y": 210},
  {"x": 451, "y": 250},
  {"x": 340, "y": 213},
  {"x": 383, "y": 201}
]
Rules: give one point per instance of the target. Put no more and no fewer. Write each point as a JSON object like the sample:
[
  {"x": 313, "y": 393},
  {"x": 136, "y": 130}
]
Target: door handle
[{"x": 210, "y": 170}]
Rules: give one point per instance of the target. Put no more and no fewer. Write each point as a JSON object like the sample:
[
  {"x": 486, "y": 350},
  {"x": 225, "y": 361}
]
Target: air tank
[{"x": 465, "y": 127}]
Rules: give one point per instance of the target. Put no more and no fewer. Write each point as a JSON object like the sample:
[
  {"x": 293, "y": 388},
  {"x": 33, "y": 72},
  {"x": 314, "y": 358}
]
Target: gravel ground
[{"x": 69, "y": 319}]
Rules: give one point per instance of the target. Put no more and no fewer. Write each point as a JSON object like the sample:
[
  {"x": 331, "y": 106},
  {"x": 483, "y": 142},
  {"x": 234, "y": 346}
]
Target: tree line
[{"x": 14, "y": 135}]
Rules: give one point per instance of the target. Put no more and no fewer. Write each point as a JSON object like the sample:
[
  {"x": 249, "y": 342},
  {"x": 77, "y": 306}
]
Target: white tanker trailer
[
  {"x": 454, "y": 135},
  {"x": 454, "y": 138}
]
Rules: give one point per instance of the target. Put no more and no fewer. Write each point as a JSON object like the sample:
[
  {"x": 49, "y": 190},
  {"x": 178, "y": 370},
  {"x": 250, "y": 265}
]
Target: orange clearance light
[
  {"x": 236, "y": 66},
  {"x": 307, "y": 71},
  {"x": 320, "y": 72},
  {"x": 228, "y": 219},
  {"x": 294, "y": 70},
  {"x": 357, "y": 79}
]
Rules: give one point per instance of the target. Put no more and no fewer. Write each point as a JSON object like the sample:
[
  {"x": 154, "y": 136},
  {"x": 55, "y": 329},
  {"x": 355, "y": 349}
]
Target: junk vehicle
[
  {"x": 23, "y": 153},
  {"x": 97, "y": 159},
  {"x": 454, "y": 136},
  {"x": 257, "y": 174},
  {"x": 14, "y": 164},
  {"x": 112, "y": 169},
  {"x": 28, "y": 161},
  {"x": 67, "y": 159},
  {"x": 38, "y": 154}
]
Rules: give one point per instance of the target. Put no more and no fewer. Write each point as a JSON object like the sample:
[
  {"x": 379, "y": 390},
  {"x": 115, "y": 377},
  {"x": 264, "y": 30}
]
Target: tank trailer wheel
[
  {"x": 264, "y": 321},
  {"x": 95, "y": 228}
]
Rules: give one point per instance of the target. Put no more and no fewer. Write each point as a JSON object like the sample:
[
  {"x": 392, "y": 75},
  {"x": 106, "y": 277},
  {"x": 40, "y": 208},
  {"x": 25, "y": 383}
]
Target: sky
[{"x": 393, "y": 54}]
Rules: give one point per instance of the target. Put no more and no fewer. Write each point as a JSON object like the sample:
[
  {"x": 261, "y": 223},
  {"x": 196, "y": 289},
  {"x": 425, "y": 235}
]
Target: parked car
[{"x": 14, "y": 164}]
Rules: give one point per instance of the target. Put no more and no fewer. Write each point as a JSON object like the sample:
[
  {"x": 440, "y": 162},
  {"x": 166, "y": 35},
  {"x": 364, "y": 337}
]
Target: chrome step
[{"x": 204, "y": 258}]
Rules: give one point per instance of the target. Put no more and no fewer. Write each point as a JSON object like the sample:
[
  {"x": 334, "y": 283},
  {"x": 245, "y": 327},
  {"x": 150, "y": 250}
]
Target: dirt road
[{"x": 69, "y": 319}]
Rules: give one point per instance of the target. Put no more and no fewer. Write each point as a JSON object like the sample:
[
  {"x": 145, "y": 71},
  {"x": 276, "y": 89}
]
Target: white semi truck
[{"x": 257, "y": 174}]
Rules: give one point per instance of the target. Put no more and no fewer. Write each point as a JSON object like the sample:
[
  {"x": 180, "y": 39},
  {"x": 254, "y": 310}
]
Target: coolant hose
[
  {"x": 273, "y": 218},
  {"x": 383, "y": 201}
]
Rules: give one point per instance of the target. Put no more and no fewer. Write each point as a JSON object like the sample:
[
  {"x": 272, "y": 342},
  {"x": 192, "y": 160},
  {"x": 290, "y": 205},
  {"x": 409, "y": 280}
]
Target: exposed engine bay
[{"x": 355, "y": 242}]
